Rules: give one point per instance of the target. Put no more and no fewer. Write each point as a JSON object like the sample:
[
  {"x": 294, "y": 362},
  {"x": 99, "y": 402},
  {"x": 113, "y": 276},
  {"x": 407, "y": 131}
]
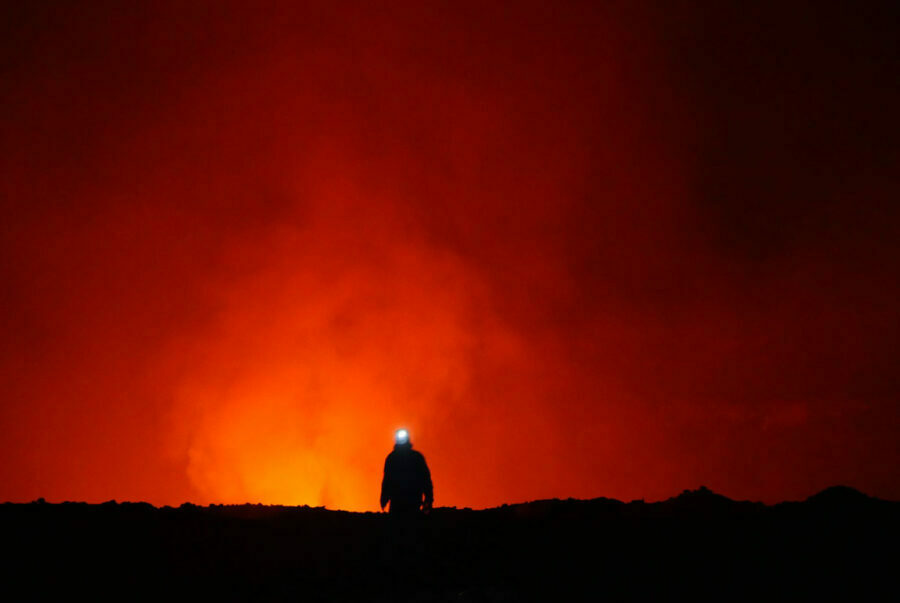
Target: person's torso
[{"x": 406, "y": 472}]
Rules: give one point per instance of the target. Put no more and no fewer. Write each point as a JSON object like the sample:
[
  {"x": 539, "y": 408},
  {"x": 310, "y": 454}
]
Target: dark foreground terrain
[{"x": 699, "y": 545}]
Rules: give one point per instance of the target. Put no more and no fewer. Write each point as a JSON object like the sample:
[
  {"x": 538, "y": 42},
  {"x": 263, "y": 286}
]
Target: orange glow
[{"x": 242, "y": 245}]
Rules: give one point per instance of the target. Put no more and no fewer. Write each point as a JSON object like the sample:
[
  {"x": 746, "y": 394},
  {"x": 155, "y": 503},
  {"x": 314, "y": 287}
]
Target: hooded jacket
[{"x": 407, "y": 481}]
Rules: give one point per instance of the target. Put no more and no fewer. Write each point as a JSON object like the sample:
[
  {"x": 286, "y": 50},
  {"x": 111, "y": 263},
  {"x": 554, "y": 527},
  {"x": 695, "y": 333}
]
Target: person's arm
[
  {"x": 429, "y": 488},
  {"x": 385, "y": 484}
]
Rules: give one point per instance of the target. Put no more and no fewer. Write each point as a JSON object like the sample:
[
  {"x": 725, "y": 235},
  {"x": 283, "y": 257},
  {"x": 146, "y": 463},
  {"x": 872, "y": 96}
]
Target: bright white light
[{"x": 401, "y": 436}]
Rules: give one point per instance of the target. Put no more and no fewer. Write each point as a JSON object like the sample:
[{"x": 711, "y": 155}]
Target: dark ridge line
[{"x": 702, "y": 497}]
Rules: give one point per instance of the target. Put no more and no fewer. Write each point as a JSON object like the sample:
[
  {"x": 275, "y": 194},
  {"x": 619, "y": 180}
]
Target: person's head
[{"x": 401, "y": 437}]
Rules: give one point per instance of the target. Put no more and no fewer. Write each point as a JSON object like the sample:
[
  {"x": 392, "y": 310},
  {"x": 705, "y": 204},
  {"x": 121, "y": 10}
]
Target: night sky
[{"x": 579, "y": 249}]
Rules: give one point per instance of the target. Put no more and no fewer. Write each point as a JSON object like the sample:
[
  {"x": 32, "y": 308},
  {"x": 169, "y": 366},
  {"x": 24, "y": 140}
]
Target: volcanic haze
[{"x": 578, "y": 249}]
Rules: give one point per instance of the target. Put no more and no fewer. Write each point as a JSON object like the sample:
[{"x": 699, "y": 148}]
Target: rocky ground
[{"x": 839, "y": 543}]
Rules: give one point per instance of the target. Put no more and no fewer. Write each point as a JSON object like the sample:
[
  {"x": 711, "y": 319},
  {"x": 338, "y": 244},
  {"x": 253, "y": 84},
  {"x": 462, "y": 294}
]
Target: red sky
[{"x": 578, "y": 250}]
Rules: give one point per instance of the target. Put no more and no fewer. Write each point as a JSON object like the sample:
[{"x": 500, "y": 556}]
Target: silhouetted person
[{"x": 407, "y": 481}]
